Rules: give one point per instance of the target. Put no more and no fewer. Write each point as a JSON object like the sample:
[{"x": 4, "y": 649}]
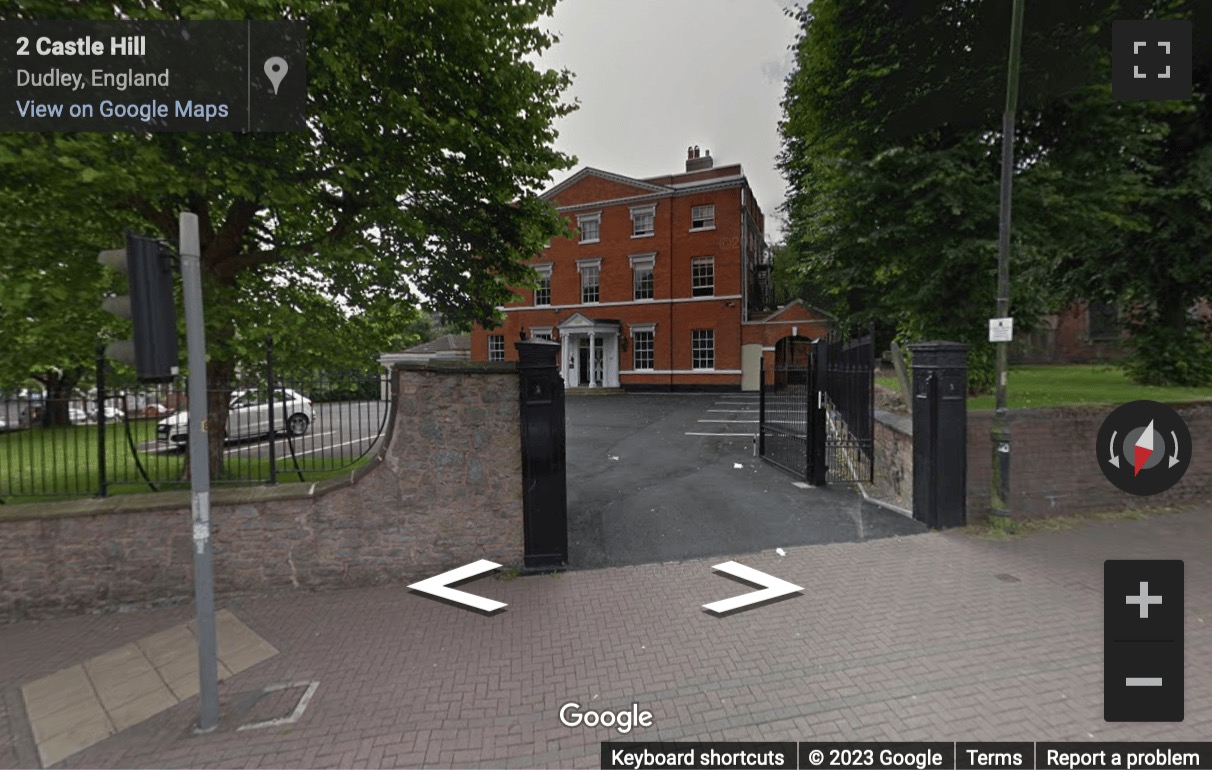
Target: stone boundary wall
[
  {"x": 893, "y": 459},
  {"x": 443, "y": 489},
  {"x": 1054, "y": 469}
]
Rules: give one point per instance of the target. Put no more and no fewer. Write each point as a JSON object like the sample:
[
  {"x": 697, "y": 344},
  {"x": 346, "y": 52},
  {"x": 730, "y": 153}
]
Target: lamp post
[
  {"x": 199, "y": 474},
  {"x": 1000, "y": 434}
]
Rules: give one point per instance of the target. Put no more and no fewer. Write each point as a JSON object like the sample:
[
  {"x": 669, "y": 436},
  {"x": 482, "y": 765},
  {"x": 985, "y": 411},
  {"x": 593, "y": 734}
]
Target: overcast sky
[{"x": 655, "y": 76}]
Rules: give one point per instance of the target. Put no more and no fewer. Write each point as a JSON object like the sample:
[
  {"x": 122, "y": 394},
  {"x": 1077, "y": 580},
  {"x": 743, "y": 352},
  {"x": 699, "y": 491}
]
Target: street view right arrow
[{"x": 771, "y": 588}]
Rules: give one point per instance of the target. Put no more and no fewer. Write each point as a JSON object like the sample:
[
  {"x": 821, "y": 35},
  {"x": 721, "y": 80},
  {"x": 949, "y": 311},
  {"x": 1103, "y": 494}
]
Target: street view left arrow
[{"x": 439, "y": 586}]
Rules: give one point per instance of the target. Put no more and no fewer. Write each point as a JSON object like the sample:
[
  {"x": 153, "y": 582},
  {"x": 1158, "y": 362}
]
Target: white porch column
[
  {"x": 593, "y": 375},
  {"x": 564, "y": 358},
  {"x": 612, "y": 361}
]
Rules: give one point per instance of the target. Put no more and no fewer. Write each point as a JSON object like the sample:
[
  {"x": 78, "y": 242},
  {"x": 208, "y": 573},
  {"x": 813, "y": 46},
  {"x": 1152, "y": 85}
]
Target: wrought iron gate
[
  {"x": 816, "y": 413},
  {"x": 850, "y": 408},
  {"x": 790, "y": 425}
]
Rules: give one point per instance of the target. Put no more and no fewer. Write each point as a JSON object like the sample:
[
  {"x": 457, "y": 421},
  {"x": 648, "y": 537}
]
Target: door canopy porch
[
  {"x": 589, "y": 351},
  {"x": 578, "y": 323}
]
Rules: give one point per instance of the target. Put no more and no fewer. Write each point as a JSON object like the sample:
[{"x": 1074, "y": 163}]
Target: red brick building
[
  {"x": 665, "y": 285},
  {"x": 1085, "y": 332}
]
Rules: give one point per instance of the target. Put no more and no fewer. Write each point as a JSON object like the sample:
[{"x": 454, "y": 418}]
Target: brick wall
[
  {"x": 445, "y": 490},
  {"x": 1054, "y": 469},
  {"x": 592, "y": 188},
  {"x": 794, "y": 319},
  {"x": 1065, "y": 337}
]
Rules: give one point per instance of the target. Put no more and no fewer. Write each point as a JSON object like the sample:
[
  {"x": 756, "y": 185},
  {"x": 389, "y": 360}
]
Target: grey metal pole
[
  {"x": 999, "y": 497},
  {"x": 199, "y": 473}
]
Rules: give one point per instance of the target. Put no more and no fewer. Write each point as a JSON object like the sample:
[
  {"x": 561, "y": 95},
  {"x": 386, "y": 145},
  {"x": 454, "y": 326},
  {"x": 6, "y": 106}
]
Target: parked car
[
  {"x": 112, "y": 413},
  {"x": 248, "y": 417},
  {"x": 156, "y": 410}
]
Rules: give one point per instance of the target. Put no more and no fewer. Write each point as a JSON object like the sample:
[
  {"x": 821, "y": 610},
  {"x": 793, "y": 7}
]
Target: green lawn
[
  {"x": 43, "y": 464},
  {"x": 1035, "y": 386},
  {"x": 46, "y": 462}
]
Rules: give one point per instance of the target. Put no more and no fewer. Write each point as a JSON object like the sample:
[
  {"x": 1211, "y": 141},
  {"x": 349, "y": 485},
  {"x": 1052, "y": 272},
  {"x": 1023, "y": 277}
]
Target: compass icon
[{"x": 1144, "y": 447}]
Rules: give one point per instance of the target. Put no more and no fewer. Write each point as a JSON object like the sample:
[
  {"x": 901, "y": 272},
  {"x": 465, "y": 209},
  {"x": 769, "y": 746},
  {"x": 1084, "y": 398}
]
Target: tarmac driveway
[{"x": 654, "y": 478}]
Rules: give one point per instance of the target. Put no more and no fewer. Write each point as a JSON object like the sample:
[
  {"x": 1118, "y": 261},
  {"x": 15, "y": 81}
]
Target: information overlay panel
[
  {"x": 141, "y": 76},
  {"x": 910, "y": 756}
]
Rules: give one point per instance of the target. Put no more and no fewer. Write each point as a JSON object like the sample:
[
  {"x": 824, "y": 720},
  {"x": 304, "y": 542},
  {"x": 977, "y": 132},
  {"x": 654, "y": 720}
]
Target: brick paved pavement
[{"x": 934, "y": 636}]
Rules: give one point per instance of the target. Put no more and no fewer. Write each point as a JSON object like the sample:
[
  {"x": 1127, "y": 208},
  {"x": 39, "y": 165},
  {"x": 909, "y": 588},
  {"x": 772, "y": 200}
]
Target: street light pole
[
  {"x": 199, "y": 474},
  {"x": 1000, "y": 433}
]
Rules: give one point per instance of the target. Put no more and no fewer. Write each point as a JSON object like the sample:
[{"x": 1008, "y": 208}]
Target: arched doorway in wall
[{"x": 792, "y": 360}]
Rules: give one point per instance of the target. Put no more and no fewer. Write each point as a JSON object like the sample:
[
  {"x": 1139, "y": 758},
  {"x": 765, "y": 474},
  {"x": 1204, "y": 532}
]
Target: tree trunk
[
  {"x": 58, "y": 393},
  {"x": 1174, "y": 312},
  {"x": 218, "y": 397}
]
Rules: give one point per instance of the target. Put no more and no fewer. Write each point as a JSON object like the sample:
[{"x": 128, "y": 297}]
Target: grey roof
[{"x": 443, "y": 344}]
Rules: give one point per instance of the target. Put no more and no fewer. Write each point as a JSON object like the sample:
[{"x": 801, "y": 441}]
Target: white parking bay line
[
  {"x": 727, "y": 420},
  {"x": 262, "y": 444},
  {"x": 768, "y": 411},
  {"x": 366, "y": 439},
  {"x": 725, "y": 435},
  {"x": 245, "y": 448}
]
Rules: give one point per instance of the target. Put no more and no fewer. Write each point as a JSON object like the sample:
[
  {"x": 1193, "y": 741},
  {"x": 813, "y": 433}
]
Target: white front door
[{"x": 587, "y": 362}]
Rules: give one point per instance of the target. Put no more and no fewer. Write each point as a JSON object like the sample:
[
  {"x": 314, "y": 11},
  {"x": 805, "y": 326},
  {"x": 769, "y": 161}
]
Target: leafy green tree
[
  {"x": 891, "y": 148},
  {"x": 42, "y": 341},
  {"x": 430, "y": 135},
  {"x": 51, "y": 320},
  {"x": 313, "y": 333},
  {"x": 786, "y": 282},
  {"x": 1158, "y": 271}
]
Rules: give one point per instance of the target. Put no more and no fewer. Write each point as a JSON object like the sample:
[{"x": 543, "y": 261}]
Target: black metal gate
[
  {"x": 850, "y": 408},
  {"x": 816, "y": 414},
  {"x": 790, "y": 426}
]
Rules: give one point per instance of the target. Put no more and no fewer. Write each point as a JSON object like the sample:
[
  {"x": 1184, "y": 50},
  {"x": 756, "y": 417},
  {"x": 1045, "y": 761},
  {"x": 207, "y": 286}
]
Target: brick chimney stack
[{"x": 696, "y": 163}]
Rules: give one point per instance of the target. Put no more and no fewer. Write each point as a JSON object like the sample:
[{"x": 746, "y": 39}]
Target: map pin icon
[{"x": 275, "y": 70}]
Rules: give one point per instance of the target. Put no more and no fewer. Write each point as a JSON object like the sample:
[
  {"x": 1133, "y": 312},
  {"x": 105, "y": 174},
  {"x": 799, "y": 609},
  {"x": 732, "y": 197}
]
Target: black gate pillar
[
  {"x": 940, "y": 433},
  {"x": 544, "y": 485},
  {"x": 818, "y": 435}
]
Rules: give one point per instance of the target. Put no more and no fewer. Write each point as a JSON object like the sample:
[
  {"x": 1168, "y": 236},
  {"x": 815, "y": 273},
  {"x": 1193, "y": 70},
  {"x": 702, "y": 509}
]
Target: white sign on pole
[{"x": 1001, "y": 329}]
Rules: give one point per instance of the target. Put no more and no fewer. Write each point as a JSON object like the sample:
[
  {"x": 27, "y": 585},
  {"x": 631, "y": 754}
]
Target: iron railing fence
[
  {"x": 849, "y": 396},
  {"x": 125, "y": 437}
]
